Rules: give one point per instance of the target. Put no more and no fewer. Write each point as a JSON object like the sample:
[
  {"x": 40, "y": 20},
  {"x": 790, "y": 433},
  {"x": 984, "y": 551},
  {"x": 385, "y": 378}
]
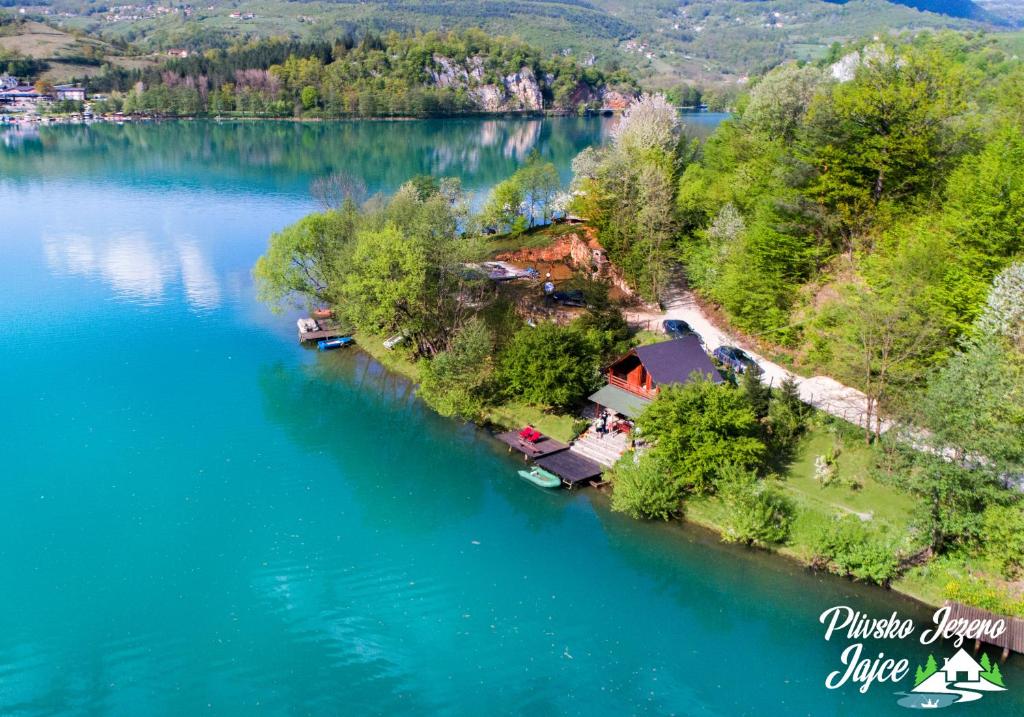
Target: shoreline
[
  {"x": 49, "y": 120},
  {"x": 17, "y": 120},
  {"x": 397, "y": 364}
]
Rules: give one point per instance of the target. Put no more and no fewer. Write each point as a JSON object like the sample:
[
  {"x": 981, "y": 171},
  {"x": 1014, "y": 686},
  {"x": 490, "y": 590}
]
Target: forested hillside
[
  {"x": 856, "y": 225},
  {"x": 953, "y": 8},
  {"x": 391, "y": 75}
]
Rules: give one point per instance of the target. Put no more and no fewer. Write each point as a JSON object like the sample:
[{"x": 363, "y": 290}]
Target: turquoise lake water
[{"x": 197, "y": 516}]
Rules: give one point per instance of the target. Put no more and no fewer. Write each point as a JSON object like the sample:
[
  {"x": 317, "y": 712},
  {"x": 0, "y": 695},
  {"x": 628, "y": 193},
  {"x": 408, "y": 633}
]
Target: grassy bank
[
  {"x": 852, "y": 491},
  {"x": 513, "y": 414}
]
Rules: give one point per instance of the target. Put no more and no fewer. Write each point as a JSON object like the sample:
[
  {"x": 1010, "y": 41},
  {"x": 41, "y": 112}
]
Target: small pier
[
  {"x": 555, "y": 457},
  {"x": 315, "y": 329}
]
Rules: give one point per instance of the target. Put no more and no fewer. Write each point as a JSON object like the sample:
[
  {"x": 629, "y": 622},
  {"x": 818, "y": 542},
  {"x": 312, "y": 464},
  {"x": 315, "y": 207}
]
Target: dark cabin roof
[{"x": 674, "y": 361}]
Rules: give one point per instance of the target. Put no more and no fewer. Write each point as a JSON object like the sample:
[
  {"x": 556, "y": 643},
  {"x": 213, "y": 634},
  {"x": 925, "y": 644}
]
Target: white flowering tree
[
  {"x": 652, "y": 122},
  {"x": 1004, "y": 311}
]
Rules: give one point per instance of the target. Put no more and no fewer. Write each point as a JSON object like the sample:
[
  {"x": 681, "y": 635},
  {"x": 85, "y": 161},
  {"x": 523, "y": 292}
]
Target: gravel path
[{"x": 822, "y": 392}]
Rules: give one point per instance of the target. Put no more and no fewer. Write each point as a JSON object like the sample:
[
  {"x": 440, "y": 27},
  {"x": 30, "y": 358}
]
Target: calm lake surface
[{"x": 197, "y": 516}]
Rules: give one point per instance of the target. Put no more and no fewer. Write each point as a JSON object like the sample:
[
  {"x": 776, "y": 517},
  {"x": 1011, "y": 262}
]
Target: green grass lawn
[
  {"x": 853, "y": 467},
  {"x": 853, "y": 490},
  {"x": 516, "y": 415},
  {"x": 397, "y": 360},
  {"x": 646, "y": 336}
]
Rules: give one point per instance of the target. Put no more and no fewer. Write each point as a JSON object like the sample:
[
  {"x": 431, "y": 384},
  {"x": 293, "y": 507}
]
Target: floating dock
[{"x": 316, "y": 329}]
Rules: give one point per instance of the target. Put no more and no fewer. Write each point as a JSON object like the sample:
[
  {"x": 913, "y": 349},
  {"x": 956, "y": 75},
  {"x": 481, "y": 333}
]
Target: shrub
[
  {"x": 757, "y": 514},
  {"x": 847, "y": 546},
  {"x": 1002, "y": 537},
  {"x": 976, "y": 592},
  {"x": 643, "y": 488},
  {"x": 452, "y": 383}
]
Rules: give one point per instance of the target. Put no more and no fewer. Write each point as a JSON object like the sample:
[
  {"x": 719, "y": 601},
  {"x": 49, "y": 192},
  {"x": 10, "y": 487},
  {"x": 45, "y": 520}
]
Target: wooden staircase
[{"x": 605, "y": 449}]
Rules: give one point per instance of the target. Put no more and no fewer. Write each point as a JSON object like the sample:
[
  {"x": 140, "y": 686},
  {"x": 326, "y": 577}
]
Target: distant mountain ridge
[{"x": 705, "y": 42}]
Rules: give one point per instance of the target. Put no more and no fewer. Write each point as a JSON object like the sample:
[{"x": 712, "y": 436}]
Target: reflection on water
[
  {"x": 135, "y": 267},
  {"x": 202, "y": 289},
  {"x": 286, "y": 156}
]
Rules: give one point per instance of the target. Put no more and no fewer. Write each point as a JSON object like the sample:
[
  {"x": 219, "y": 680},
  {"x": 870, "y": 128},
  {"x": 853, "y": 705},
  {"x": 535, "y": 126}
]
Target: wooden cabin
[{"x": 635, "y": 378}]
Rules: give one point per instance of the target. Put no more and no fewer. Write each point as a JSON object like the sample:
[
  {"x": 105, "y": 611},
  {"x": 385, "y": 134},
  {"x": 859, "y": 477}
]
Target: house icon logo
[{"x": 960, "y": 679}]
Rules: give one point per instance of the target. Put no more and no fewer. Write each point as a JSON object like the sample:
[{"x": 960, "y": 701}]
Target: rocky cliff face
[{"x": 520, "y": 91}]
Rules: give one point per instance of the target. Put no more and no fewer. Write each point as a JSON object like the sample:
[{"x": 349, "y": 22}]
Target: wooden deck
[
  {"x": 1011, "y": 641},
  {"x": 544, "y": 447},
  {"x": 573, "y": 468},
  {"x": 555, "y": 457}
]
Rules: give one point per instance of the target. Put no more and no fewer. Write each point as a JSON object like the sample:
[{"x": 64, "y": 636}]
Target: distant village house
[
  {"x": 16, "y": 97},
  {"x": 69, "y": 93}
]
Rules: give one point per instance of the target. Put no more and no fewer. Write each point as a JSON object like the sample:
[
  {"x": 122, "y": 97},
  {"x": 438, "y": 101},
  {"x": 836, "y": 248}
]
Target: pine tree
[
  {"x": 986, "y": 664},
  {"x": 919, "y": 676},
  {"x": 995, "y": 677},
  {"x": 758, "y": 394},
  {"x": 931, "y": 667}
]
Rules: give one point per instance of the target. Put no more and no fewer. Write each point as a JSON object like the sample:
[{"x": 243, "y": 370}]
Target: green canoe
[{"x": 539, "y": 476}]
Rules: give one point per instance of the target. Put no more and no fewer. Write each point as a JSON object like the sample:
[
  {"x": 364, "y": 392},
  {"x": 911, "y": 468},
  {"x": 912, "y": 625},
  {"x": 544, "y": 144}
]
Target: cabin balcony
[{"x": 626, "y": 385}]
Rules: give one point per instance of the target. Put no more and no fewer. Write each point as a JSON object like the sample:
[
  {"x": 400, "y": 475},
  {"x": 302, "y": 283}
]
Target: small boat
[
  {"x": 323, "y": 314},
  {"x": 328, "y": 344},
  {"x": 393, "y": 341},
  {"x": 541, "y": 477}
]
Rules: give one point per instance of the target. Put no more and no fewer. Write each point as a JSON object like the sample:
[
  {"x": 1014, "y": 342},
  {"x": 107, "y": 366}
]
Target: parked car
[
  {"x": 569, "y": 298},
  {"x": 737, "y": 359},
  {"x": 677, "y": 329}
]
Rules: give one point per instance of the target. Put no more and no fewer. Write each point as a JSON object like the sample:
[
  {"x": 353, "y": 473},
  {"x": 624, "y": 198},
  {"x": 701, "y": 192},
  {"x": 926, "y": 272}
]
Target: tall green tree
[
  {"x": 892, "y": 132},
  {"x": 699, "y": 427},
  {"x": 880, "y": 341},
  {"x": 549, "y": 365},
  {"x": 539, "y": 182},
  {"x": 303, "y": 261},
  {"x": 626, "y": 190},
  {"x": 643, "y": 488}
]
